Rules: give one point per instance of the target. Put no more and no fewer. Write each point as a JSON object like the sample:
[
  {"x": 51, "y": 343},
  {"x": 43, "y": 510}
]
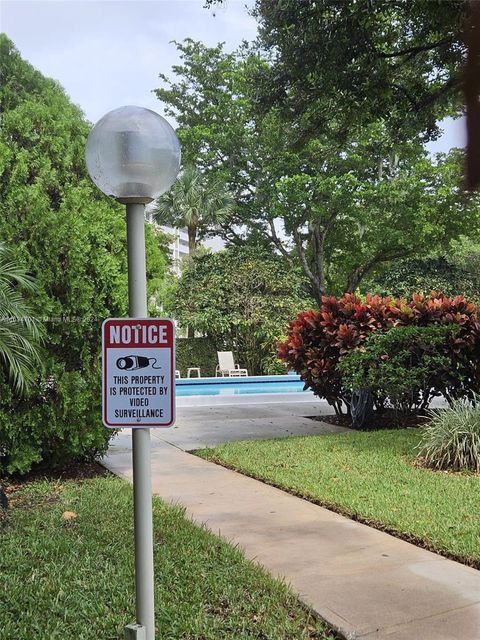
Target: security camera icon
[{"x": 132, "y": 363}]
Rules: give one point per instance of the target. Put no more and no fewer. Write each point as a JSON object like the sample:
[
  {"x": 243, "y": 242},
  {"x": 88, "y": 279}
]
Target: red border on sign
[
  {"x": 170, "y": 345},
  {"x": 141, "y": 344}
]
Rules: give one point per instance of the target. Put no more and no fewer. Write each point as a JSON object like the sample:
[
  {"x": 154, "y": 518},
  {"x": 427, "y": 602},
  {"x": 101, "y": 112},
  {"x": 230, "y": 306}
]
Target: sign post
[
  {"x": 142, "y": 481},
  {"x": 133, "y": 155}
]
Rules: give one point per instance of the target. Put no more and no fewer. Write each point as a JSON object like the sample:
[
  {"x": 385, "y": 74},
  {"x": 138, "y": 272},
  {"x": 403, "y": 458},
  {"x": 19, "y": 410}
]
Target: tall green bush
[
  {"x": 406, "y": 367},
  {"x": 53, "y": 424},
  {"x": 72, "y": 240},
  {"x": 318, "y": 339},
  {"x": 196, "y": 352},
  {"x": 242, "y": 299}
]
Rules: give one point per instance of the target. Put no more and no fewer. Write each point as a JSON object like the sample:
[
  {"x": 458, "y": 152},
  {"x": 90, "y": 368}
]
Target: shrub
[
  {"x": 408, "y": 366},
  {"x": 58, "y": 421},
  {"x": 241, "y": 298},
  {"x": 72, "y": 240},
  {"x": 317, "y": 339},
  {"x": 451, "y": 440}
]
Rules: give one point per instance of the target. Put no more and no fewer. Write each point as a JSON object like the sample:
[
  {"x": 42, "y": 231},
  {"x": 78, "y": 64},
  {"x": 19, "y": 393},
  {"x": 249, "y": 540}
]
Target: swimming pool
[{"x": 187, "y": 387}]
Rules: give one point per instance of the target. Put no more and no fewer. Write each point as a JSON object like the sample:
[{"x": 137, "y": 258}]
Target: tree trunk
[
  {"x": 192, "y": 239},
  {"x": 354, "y": 279},
  {"x": 358, "y": 274},
  {"x": 192, "y": 245},
  {"x": 317, "y": 290},
  {"x": 317, "y": 274},
  {"x": 319, "y": 260}
]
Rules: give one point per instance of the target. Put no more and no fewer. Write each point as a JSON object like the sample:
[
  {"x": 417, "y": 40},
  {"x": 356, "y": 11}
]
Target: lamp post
[{"x": 133, "y": 156}]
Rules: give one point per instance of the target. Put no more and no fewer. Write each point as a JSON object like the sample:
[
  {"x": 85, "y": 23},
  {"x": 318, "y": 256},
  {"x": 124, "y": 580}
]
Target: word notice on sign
[{"x": 138, "y": 372}]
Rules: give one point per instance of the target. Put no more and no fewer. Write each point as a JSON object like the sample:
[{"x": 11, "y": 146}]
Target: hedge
[
  {"x": 59, "y": 421},
  {"x": 196, "y": 352},
  {"x": 406, "y": 367},
  {"x": 317, "y": 339}
]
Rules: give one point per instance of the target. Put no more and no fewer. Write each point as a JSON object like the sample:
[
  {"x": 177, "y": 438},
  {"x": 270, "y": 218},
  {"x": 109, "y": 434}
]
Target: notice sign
[{"x": 138, "y": 372}]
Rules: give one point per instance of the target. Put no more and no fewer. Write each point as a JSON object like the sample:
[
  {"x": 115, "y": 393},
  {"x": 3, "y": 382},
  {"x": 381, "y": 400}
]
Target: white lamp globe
[{"x": 133, "y": 155}]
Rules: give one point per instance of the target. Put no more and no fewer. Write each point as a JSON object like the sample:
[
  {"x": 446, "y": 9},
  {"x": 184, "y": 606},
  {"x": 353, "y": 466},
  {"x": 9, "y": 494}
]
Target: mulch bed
[
  {"x": 71, "y": 471},
  {"x": 389, "y": 419}
]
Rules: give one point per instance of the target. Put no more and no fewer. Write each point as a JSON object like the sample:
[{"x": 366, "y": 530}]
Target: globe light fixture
[{"x": 133, "y": 155}]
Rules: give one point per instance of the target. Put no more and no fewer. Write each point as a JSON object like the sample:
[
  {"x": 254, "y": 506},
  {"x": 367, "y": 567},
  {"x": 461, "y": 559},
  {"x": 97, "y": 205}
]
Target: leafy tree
[
  {"x": 341, "y": 208},
  {"x": 338, "y": 66},
  {"x": 208, "y": 96},
  {"x": 242, "y": 298},
  {"x": 366, "y": 207},
  {"x": 195, "y": 203},
  {"x": 72, "y": 240},
  {"x": 20, "y": 332},
  {"x": 448, "y": 275}
]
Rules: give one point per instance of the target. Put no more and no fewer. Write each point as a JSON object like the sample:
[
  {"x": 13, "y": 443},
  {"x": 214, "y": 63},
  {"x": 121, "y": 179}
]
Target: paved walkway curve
[{"x": 365, "y": 583}]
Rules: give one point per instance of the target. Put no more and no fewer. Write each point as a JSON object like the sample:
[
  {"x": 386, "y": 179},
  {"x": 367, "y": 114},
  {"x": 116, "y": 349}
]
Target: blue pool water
[{"x": 238, "y": 386}]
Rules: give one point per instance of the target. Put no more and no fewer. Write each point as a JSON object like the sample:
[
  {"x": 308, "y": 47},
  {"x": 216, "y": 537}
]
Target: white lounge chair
[{"x": 227, "y": 367}]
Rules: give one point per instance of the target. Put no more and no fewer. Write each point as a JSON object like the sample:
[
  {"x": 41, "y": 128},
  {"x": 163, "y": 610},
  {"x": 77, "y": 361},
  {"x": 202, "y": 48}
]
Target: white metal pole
[{"x": 142, "y": 482}]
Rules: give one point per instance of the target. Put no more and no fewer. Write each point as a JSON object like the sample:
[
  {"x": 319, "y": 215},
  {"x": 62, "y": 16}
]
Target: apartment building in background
[
  {"x": 179, "y": 245},
  {"x": 178, "y": 248}
]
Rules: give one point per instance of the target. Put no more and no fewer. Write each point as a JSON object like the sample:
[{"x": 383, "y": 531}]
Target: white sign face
[{"x": 138, "y": 372}]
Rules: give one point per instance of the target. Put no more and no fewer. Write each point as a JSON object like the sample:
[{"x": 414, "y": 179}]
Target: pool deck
[
  {"x": 206, "y": 425},
  {"x": 365, "y": 583}
]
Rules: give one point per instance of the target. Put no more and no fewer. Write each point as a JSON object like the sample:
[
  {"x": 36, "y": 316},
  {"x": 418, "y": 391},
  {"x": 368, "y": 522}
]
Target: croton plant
[{"x": 318, "y": 338}]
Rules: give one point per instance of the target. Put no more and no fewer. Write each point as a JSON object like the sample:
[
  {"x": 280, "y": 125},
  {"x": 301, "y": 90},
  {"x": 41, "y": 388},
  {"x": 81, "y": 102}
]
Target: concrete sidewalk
[{"x": 363, "y": 582}]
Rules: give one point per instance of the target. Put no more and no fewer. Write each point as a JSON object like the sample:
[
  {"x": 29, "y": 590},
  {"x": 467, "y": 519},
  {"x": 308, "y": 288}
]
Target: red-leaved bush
[{"x": 318, "y": 338}]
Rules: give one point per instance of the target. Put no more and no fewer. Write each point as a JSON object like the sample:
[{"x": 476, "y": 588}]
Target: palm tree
[
  {"x": 195, "y": 203},
  {"x": 20, "y": 333}
]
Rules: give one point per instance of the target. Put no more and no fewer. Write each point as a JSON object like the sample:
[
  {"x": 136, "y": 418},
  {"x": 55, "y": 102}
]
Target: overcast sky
[{"x": 109, "y": 53}]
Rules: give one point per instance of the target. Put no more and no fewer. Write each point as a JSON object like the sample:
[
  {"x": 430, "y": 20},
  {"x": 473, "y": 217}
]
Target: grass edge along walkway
[
  {"x": 66, "y": 571},
  {"x": 370, "y": 477}
]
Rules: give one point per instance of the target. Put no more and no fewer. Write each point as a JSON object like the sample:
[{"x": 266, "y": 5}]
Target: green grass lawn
[
  {"x": 73, "y": 579},
  {"x": 370, "y": 476}
]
